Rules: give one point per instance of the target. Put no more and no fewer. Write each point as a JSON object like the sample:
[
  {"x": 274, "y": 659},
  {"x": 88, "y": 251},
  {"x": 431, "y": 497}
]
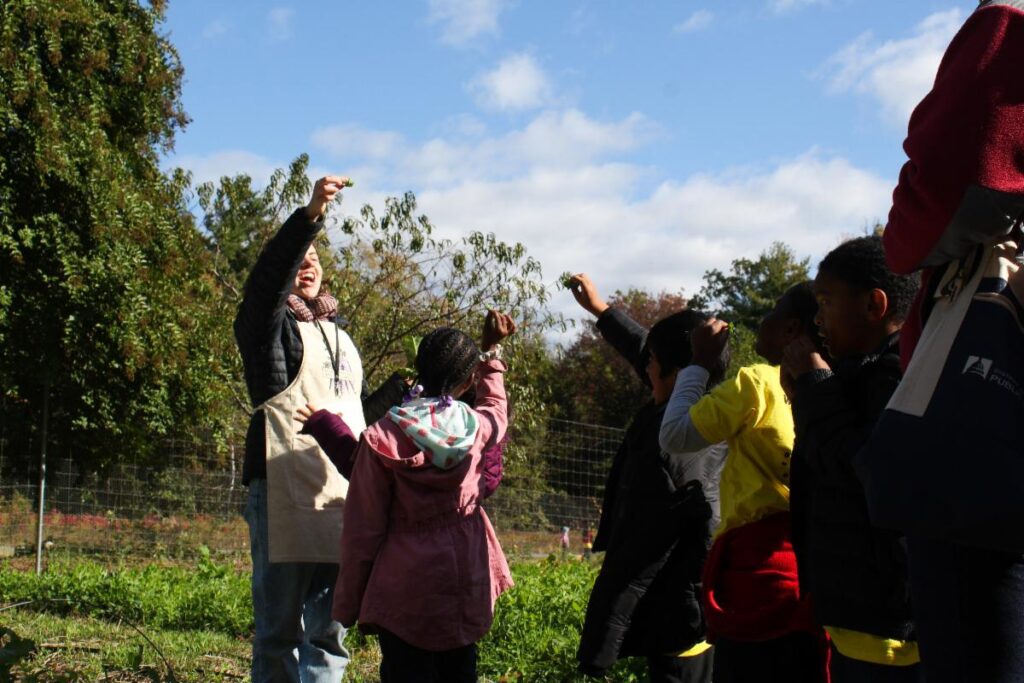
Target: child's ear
[{"x": 878, "y": 304}]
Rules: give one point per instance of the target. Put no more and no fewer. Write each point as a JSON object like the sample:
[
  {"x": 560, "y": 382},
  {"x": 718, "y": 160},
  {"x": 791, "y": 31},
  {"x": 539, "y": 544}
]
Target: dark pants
[
  {"x": 405, "y": 663},
  {"x": 846, "y": 670},
  {"x": 794, "y": 658},
  {"x": 670, "y": 669},
  {"x": 969, "y": 609}
]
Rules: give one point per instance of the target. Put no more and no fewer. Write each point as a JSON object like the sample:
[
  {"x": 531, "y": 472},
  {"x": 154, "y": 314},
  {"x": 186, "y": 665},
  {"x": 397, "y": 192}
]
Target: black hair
[
  {"x": 445, "y": 360},
  {"x": 669, "y": 341},
  {"x": 801, "y": 304},
  {"x": 860, "y": 264}
]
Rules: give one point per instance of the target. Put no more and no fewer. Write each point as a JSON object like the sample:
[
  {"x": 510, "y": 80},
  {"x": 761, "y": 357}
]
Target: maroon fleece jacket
[
  {"x": 964, "y": 180},
  {"x": 340, "y": 444}
]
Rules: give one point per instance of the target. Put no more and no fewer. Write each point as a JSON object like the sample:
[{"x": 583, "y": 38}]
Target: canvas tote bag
[{"x": 946, "y": 459}]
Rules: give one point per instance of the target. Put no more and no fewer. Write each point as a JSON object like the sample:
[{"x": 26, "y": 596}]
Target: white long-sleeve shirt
[{"x": 678, "y": 434}]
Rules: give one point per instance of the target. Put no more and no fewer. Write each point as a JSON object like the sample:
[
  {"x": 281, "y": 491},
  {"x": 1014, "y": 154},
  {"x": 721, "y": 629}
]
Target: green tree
[
  {"x": 104, "y": 291},
  {"x": 748, "y": 293},
  {"x": 237, "y": 221},
  {"x": 396, "y": 279},
  {"x": 595, "y": 385},
  {"x": 393, "y": 278},
  {"x": 749, "y": 290}
]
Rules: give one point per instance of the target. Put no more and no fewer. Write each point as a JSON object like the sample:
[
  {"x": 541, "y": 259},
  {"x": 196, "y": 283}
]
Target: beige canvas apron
[{"x": 305, "y": 492}]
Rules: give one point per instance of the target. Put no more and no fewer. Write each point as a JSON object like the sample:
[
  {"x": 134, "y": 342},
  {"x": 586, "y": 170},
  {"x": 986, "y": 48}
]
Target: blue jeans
[{"x": 296, "y": 640}]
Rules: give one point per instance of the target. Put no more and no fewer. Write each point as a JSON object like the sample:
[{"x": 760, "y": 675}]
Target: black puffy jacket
[
  {"x": 856, "y": 574},
  {"x": 268, "y": 336},
  {"x": 656, "y": 522}
]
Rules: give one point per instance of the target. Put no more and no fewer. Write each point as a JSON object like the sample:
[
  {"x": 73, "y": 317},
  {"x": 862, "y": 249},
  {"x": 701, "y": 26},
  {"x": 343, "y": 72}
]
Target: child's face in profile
[
  {"x": 777, "y": 329},
  {"x": 771, "y": 334},
  {"x": 844, "y": 317}
]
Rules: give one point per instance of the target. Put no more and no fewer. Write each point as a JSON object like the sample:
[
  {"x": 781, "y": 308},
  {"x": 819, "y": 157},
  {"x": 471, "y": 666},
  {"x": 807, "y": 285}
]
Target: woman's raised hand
[{"x": 323, "y": 193}]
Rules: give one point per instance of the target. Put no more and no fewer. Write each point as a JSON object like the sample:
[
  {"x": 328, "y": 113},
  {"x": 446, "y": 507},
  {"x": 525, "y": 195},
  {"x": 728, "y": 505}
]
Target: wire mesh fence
[{"x": 196, "y": 498}]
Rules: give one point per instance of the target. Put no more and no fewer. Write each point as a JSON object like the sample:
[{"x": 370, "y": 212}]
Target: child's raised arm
[
  {"x": 624, "y": 334},
  {"x": 491, "y": 401},
  {"x": 678, "y": 433}
]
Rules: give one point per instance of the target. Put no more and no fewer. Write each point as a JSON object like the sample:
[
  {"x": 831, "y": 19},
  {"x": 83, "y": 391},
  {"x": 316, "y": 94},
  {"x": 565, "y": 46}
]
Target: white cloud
[
  {"x": 563, "y": 185},
  {"x": 215, "y": 29},
  {"x": 580, "y": 19},
  {"x": 279, "y": 20},
  {"x": 897, "y": 73},
  {"x": 698, "y": 21},
  {"x": 464, "y": 20},
  {"x": 784, "y": 6},
  {"x": 211, "y": 167},
  {"x": 464, "y": 126},
  {"x": 553, "y": 139},
  {"x": 518, "y": 82},
  {"x": 589, "y": 219},
  {"x": 350, "y": 141}
]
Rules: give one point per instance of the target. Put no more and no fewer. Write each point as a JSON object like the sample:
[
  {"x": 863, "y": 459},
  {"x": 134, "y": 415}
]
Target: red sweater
[
  {"x": 751, "y": 590},
  {"x": 964, "y": 180}
]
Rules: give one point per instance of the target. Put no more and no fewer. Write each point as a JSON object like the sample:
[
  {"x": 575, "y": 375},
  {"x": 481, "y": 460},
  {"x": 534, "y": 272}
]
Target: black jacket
[
  {"x": 656, "y": 523},
  {"x": 268, "y": 336},
  {"x": 856, "y": 574}
]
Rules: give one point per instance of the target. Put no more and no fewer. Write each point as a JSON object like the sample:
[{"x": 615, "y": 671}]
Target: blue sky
[{"x": 643, "y": 142}]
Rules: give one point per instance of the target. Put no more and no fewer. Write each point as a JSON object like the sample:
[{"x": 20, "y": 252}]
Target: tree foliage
[
  {"x": 749, "y": 290},
  {"x": 594, "y": 383},
  {"x": 396, "y": 278},
  {"x": 393, "y": 278},
  {"x": 116, "y": 303},
  {"x": 101, "y": 269}
]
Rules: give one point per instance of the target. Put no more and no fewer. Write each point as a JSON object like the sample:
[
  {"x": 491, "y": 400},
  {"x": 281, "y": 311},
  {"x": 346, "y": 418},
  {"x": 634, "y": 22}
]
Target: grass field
[{"x": 88, "y": 621}]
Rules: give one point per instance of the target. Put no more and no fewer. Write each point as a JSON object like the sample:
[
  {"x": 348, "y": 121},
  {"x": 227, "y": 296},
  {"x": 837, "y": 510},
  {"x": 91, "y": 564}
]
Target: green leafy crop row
[
  {"x": 534, "y": 636},
  {"x": 209, "y": 596}
]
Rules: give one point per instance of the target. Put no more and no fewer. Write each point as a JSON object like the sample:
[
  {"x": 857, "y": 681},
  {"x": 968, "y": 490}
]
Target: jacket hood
[{"x": 424, "y": 434}]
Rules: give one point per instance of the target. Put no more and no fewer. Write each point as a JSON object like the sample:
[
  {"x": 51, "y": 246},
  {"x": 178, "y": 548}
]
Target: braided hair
[{"x": 445, "y": 360}]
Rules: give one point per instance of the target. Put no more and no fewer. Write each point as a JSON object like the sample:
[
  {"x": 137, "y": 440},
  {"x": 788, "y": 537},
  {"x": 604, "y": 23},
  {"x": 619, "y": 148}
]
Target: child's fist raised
[
  {"x": 708, "y": 341},
  {"x": 585, "y": 293},
  {"x": 497, "y": 326}
]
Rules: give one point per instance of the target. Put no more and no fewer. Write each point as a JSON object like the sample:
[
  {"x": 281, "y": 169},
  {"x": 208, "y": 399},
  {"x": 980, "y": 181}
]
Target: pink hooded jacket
[{"x": 419, "y": 556}]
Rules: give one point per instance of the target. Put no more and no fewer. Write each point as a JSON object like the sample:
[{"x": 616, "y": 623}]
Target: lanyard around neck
[{"x": 334, "y": 355}]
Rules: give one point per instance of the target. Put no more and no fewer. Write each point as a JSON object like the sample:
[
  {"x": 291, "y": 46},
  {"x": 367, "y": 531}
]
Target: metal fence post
[{"x": 42, "y": 474}]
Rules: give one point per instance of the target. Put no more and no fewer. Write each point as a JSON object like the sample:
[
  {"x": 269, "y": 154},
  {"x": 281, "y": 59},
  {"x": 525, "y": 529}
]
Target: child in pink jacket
[{"x": 420, "y": 563}]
